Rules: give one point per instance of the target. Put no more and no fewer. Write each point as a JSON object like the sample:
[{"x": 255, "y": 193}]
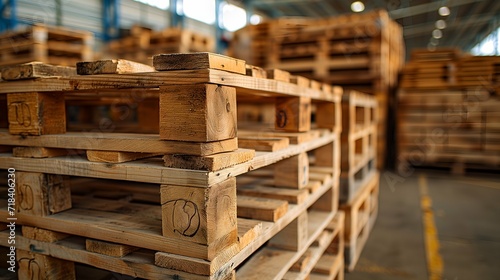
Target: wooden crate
[
  {"x": 200, "y": 226},
  {"x": 359, "y": 143},
  {"x": 54, "y": 45},
  {"x": 361, "y": 215}
]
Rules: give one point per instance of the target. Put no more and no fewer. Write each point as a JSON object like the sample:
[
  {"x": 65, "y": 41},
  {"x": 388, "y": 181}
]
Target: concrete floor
[{"x": 466, "y": 213}]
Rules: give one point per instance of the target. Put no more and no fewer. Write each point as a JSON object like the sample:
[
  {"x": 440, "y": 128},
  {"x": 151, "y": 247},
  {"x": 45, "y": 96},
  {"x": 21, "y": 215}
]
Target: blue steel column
[
  {"x": 110, "y": 18},
  {"x": 176, "y": 19},
  {"x": 218, "y": 27},
  {"x": 8, "y": 22},
  {"x": 249, "y": 8}
]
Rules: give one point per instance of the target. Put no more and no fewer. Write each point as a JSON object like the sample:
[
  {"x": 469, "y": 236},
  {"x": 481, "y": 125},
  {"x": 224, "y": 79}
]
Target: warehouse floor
[{"x": 465, "y": 213}]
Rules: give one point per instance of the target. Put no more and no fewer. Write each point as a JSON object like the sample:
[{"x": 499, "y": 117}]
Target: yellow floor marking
[{"x": 434, "y": 260}]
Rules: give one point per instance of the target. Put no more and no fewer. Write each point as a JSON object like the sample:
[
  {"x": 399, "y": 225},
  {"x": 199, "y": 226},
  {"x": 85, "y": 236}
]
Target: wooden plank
[
  {"x": 41, "y": 234},
  {"x": 290, "y": 195},
  {"x": 111, "y": 66},
  {"x": 35, "y": 70},
  {"x": 36, "y": 113},
  {"x": 300, "y": 81},
  {"x": 196, "y": 266},
  {"x": 302, "y": 263},
  {"x": 245, "y": 84},
  {"x": 136, "y": 264},
  {"x": 261, "y": 209},
  {"x": 108, "y": 248},
  {"x": 152, "y": 170},
  {"x": 248, "y": 231},
  {"x": 116, "y": 157},
  {"x": 200, "y": 113},
  {"x": 209, "y": 163},
  {"x": 294, "y": 138},
  {"x": 263, "y": 144},
  {"x": 184, "y": 61},
  {"x": 120, "y": 142},
  {"x": 39, "y": 152}
]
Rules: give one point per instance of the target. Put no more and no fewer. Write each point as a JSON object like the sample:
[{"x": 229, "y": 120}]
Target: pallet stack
[
  {"x": 165, "y": 205},
  {"x": 359, "y": 179},
  {"x": 48, "y": 44},
  {"x": 364, "y": 52},
  {"x": 450, "y": 123},
  {"x": 143, "y": 43}
]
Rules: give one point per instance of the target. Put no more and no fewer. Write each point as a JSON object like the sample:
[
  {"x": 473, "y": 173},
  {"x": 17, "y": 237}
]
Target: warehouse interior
[{"x": 249, "y": 139}]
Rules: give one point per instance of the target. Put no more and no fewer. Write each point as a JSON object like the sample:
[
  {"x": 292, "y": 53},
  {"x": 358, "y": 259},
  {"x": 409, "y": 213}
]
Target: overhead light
[
  {"x": 357, "y": 6},
  {"x": 444, "y": 11},
  {"x": 440, "y": 24},
  {"x": 255, "y": 19},
  {"x": 437, "y": 33},
  {"x": 434, "y": 41}
]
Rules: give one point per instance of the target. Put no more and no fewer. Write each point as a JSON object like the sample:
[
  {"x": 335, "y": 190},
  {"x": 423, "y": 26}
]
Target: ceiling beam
[
  {"x": 425, "y": 8},
  {"x": 426, "y": 28}
]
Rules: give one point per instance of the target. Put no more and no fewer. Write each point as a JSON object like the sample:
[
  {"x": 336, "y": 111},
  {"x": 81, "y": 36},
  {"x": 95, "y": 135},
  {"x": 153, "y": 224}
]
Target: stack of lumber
[
  {"x": 448, "y": 68},
  {"x": 364, "y": 52},
  {"x": 165, "y": 204},
  {"x": 457, "y": 129},
  {"x": 142, "y": 43},
  {"x": 448, "y": 111},
  {"x": 359, "y": 179},
  {"x": 48, "y": 44}
]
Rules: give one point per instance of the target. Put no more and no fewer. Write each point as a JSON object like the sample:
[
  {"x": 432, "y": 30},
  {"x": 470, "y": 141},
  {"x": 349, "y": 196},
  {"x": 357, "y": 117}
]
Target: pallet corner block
[{"x": 199, "y": 113}]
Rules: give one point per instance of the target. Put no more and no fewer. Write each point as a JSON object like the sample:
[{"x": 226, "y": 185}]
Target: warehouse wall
[{"x": 88, "y": 16}]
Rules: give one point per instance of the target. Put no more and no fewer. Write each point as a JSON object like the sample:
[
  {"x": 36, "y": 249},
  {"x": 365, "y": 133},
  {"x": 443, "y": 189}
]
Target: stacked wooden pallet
[
  {"x": 449, "y": 128},
  {"x": 55, "y": 45},
  {"x": 448, "y": 68},
  {"x": 362, "y": 52},
  {"x": 448, "y": 114},
  {"x": 359, "y": 178},
  {"x": 143, "y": 43},
  {"x": 166, "y": 205}
]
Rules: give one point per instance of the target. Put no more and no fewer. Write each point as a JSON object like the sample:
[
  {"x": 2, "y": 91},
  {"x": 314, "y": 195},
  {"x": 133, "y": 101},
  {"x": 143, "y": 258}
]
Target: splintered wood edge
[
  {"x": 201, "y": 60},
  {"x": 34, "y": 70},
  {"x": 111, "y": 66}
]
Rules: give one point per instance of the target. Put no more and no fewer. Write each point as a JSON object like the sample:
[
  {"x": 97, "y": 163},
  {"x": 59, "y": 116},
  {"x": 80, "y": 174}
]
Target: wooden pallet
[
  {"x": 448, "y": 127},
  {"x": 142, "y": 44},
  {"x": 211, "y": 241},
  {"x": 359, "y": 142},
  {"x": 361, "y": 214},
  {"x": 54, "y": 45}
]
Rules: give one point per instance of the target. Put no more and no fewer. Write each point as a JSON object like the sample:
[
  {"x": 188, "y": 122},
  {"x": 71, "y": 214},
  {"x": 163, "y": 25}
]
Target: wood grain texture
[
  {"x": 117, "y": 157},
  {"x": 209, "y": 163},
  {"x": 37, "y": 266},
  {"x": 39, "y": 152},
  {"x": 112, "y": 66},
  {"x": 294, "y": 236},
  {"x": 41, "y": 234},
  {"x": 256, "y": 72},
  {"x": 293, "y": 114},
  {"x": 263, "y": 144},
  {"x": 35, "y": 70},
  {"x": 119, "y": 142},
  {"x": 200, "y": 113},
  {"x": 108, "y": 248},
  {"x": 201, "y": 215},
  {"x": 261, "y": 209},
  {"x": 36, "y": 113},
  {"x": 180, "y": 61},
  {"x": 292, "y": 172},
  {"x": 278, "y": 75},
  {"x": 42, "y": 194}
]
